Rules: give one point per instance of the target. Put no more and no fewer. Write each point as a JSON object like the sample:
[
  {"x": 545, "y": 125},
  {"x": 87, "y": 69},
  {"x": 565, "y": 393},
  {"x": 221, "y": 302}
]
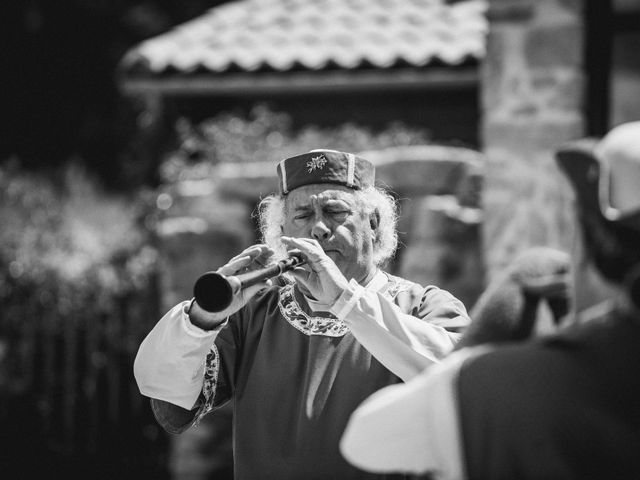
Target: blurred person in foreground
[
  {"x": 297, "y": 355},
  {"x": 530, "y": 296},
  {"x": 565, "y": 405}
]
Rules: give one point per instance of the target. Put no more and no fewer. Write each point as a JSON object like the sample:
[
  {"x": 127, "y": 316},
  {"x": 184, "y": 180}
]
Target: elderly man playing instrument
[
  {"x": 562, "y": 406},
  {"x": 297, "y": 355}
]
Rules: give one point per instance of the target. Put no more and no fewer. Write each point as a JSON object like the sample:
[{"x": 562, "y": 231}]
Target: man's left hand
[{"x": 320, "y": 276}]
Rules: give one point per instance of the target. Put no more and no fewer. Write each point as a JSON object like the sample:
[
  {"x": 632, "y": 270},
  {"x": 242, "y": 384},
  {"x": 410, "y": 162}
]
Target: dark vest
[{"x": 562, "y": 407}]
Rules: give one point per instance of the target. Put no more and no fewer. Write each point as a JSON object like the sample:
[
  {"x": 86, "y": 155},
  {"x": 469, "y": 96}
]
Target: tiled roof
[{"x": 283, "y": 35}]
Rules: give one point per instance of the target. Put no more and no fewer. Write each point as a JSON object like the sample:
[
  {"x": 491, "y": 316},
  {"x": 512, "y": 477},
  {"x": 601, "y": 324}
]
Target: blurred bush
[
  {"x": 77, "y": 295},
  {"x": 266, "y": 135},
  {"x": 63, "y": 240}
]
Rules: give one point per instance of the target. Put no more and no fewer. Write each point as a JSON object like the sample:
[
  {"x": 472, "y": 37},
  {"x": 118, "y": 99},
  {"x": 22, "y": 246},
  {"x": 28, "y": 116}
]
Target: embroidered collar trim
[
  {"x": 325, "y": 326},
  {"x": 307, "y": 324}
]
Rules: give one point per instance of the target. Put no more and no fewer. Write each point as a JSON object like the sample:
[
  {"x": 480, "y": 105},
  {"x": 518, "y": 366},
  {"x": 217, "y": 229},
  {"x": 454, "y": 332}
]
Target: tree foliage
[
  {"x": 266, "y": 135},
  {"x": 64, "y": 242}
]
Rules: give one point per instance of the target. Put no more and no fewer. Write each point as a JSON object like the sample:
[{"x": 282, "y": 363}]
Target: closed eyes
[{"x": 333, "y": 213}]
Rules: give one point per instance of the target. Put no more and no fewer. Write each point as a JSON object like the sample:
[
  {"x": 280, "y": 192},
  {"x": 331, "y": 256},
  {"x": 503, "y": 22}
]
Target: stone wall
[
  {"x": 532, "y": 101},
  {"x": 439, "y": 191}
]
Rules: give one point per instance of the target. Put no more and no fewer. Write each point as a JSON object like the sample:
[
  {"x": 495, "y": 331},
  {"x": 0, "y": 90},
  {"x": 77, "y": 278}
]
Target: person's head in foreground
[
  {"x": 605, "y": 177},
  {"x": 566, "y": 405},
  {"x": 511, "y": 307},
  {"x": 330, "y": 197}
]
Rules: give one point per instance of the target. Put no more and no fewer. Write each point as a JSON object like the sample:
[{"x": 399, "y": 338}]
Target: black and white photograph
[{"x": 320, "y": 240}]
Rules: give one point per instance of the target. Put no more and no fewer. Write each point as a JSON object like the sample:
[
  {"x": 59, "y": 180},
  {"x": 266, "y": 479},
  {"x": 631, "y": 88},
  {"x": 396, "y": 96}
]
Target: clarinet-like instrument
[{"x": 214, "y": 292}]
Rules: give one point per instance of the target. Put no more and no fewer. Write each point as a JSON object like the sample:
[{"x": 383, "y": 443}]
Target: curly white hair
[{"x": 271, "y": 215}]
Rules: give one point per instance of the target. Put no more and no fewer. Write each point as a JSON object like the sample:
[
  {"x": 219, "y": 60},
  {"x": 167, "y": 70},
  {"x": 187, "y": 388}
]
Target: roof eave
[{"x": 275, "y": 83}]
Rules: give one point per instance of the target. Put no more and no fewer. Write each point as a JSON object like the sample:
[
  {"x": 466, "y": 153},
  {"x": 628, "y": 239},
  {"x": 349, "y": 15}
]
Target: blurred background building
[{"x": 138, "y": 136}]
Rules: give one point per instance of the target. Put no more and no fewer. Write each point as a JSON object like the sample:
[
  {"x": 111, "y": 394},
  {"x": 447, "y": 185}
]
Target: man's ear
[{"x": 374, "y": 220}]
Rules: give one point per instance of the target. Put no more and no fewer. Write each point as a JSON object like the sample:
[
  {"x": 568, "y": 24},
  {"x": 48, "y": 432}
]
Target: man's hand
[
  {"x": 253, "y": 258},
  {"x": 320, "y": 276}
]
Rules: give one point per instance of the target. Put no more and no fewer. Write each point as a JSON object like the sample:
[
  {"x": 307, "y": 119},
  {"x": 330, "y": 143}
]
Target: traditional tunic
[
  {"x": 295, "y": 372},
  {"x": 566, "y": 406}
]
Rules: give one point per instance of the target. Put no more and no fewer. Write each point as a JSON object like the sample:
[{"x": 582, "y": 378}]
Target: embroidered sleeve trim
[{"x": 211, "y": 371}]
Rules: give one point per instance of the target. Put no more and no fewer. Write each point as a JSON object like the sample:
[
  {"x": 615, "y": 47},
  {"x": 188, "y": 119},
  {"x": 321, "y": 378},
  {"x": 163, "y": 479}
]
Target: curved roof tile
[{"x": 283, "y": 34}]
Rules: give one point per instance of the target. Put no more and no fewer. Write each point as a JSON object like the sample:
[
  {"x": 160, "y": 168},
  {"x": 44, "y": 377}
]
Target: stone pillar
[
  {"x": 532, "y": 91},
  {"x": 200, "y": 230},
  {"x": 443, "y": 246},
  {"x": 440, "y": 216}
]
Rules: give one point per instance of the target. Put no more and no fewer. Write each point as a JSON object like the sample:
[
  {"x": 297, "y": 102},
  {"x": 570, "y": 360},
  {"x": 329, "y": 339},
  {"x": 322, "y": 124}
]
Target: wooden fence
[{"x": 68, "y": 399}]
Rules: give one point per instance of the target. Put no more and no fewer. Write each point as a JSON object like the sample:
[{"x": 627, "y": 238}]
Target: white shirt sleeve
[
  {"x": 406, "y": 345},
  {"x": 170, "y": 362},
  {"x": 411, "y": 428}
]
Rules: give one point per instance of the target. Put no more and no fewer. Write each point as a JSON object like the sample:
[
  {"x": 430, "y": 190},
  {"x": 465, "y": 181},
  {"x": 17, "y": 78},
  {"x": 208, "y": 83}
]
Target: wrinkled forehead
[{"x": 320, "y": 192}]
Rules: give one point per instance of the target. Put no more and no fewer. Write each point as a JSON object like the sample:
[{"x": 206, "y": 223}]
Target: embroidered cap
[
  {"x": 325, "y": 166},
  {"x": 605, "y": 174}
]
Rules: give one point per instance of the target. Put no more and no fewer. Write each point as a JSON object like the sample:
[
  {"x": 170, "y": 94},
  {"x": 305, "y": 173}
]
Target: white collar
[
  {"x": 378, "y": 281},
  {"x": 376, "y": 284}
]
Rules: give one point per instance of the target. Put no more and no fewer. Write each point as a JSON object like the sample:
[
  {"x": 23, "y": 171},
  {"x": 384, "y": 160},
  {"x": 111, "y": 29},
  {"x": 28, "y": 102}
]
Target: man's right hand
[{"x": 252, "y": 258}]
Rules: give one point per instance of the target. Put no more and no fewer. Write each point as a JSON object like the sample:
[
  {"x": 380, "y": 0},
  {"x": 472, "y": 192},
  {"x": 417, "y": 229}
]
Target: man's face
[
  {"x": 332, "y": 215},
  {"x": 590, "y": 288}
]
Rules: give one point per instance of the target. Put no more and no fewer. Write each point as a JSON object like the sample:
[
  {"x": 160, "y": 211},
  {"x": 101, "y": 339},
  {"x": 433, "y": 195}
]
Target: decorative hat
[
  {"x": 325, "y": 166},
  {"x": 605, "y": 175}
]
